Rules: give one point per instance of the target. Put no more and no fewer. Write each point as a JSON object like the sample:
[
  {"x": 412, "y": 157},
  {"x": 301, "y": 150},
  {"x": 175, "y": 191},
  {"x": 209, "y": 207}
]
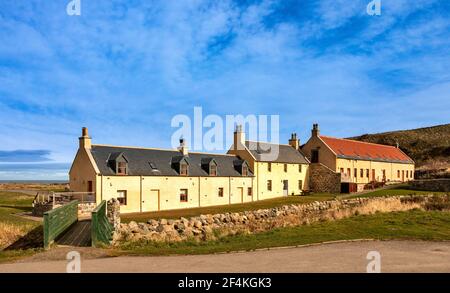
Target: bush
[{"x": 438, "y": 203}]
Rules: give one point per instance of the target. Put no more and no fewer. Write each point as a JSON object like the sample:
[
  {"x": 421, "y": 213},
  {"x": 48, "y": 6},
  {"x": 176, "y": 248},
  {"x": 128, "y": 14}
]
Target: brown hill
[{"x": 429, "y": 147}]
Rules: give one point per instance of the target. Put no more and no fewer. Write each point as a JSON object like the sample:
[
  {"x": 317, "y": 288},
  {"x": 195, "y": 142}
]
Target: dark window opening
[
  {"x": 269, "y": 185},
  {"x": 315, "y": 156},
  {"x": 122, "y": 197},
  {"x": 183, "y": 195}
]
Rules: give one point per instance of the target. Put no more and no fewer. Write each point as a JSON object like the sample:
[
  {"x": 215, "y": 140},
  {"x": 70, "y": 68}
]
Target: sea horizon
[{"x": 34, "y": 181}]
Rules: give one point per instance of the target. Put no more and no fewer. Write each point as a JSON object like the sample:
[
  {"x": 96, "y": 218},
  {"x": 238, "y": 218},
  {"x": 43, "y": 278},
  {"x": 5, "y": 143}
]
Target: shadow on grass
[
  {"x": 33, "y": 239},
  {"x": 25, "y": 209}
]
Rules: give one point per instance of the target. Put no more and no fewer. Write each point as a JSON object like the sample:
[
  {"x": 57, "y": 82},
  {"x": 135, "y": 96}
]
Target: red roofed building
[{"x": 359, "y": 163}]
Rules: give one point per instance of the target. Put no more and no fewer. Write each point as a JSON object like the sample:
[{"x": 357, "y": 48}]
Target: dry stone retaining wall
[
  {"x": 323, "y": 179},
  {"x": 431, "y": 184},
  {"x": 210, "y": 227}
]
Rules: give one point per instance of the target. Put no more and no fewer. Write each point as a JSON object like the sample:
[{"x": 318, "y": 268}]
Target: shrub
[{"x": 438, "y": 203}]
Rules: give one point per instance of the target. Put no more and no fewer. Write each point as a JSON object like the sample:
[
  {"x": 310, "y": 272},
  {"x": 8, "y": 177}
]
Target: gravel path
[{"x": 396, "y": 256}]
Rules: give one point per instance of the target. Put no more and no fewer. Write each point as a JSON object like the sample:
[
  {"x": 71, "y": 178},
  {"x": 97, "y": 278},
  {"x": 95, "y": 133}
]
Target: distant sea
[{"x": 34, "y": 181}]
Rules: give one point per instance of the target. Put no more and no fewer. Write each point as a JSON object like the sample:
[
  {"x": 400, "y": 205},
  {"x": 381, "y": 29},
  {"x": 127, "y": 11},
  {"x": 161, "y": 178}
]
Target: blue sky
[{"x": 125, "y": 68}]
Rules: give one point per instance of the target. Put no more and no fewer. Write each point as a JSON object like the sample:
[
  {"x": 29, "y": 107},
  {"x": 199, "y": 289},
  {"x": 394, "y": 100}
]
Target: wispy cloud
[
  {"x": 124, "y": 68},
  {"x": 24, "y": 156}
]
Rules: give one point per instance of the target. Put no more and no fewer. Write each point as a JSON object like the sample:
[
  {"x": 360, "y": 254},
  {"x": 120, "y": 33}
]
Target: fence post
[{"x": 46, "y": 231}]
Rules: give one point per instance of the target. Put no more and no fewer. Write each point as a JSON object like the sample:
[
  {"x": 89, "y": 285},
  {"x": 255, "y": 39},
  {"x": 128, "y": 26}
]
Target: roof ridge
[
  {"x": 160, "y": 149},
  {"x": 284, "y": 144},
  {"x": 358, "y": 141}
]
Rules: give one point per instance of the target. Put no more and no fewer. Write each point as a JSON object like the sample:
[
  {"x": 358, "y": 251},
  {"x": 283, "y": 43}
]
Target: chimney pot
[
  {"x": 315, "y": 130},
  {"x": 85, "y": 140},
  {"x": 84, "y": 132}
]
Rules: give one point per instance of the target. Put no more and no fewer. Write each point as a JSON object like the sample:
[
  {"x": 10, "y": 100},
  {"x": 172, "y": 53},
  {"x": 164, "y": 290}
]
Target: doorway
[
  {"x": 285, "y": 187},
  {"x": 151, "y": 201},
  {"x": 241, "y": 192}
]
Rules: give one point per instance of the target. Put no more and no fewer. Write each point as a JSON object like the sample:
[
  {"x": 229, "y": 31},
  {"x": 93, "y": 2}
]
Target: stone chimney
[
  {"x": 239, "y": 138},
  {"x": 85, "y": 140},
  {"x": 183, "y": 148},
  {"x": 294, "y": 142},
  {"x": 315, "y": 130},
  {"x": 397, "y": 144}
]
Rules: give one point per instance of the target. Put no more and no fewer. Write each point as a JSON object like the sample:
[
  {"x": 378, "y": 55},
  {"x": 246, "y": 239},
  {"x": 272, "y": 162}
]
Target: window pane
[{"x": 183, "y": 195}]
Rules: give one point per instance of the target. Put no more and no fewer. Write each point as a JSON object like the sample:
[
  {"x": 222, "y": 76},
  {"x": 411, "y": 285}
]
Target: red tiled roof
[{"x": 346, "y": 148}]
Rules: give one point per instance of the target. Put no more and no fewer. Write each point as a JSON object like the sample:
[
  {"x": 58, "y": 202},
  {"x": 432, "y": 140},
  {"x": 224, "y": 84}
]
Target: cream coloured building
[
  {"x": 145, "y": 179},
  {"x": 279, "y": 169},
  {"x": 359, "y": 163}
]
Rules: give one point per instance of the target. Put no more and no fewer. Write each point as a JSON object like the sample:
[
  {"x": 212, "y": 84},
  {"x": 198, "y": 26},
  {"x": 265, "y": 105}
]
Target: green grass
[
  {"x": 262, "y": 204},
  {"x": 395, "y": 191},
  {"x": 412, "y": 225},
  {"x": 12, "y": 203}
]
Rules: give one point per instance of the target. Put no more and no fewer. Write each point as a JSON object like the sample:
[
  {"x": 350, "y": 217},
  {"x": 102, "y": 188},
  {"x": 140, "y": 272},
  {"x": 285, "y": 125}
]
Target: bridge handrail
[
  {"x": 101, "y": 228},
  {"x": 58, "y": 220}
]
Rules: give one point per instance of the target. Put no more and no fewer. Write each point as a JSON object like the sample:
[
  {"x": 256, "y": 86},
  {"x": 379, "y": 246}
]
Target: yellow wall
[
  {"x": 277, "y": 175},
  {"x": 142, "y": 191},
  {"x": 391, "y": 170},
  {"x": 81, "y": 172}
]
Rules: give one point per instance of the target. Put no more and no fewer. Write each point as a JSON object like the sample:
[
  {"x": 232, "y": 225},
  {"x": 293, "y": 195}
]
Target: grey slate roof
[
  {"x": 286, "y": 153},
  {"x": 140, "y": 159}
]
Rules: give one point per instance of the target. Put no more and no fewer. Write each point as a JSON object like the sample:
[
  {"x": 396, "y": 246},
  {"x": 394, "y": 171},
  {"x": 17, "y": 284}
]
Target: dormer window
[
  {"x": 209, "y": 165},
  {"x": 118, "y": 163},
  {"x": 183, "y": 169},
  {"x": 213, "y": 170},
  {"x": 181, "y": 165},
  {"x": 244, "y": 170},
  {"x": 122, "y": 168},
  {"x": 241, "y": 166}
]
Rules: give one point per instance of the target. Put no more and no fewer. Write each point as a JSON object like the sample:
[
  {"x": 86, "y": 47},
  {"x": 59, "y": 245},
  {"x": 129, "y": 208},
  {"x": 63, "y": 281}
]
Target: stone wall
[
  {"x": 323, "y": 179},
  {"x": 210, "y": 227},
  {"x": 113, "y": 212},
  {"x": 431, "y": 184},
  {"x": 85, "y": 208}
]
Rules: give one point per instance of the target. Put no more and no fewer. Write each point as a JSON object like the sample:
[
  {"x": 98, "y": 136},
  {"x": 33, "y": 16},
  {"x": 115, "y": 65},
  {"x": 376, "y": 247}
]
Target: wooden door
[
  {"x": 151, "y": 200},
  {"x": 373, "y": 175},
  {"x": 285, "y": 187}
]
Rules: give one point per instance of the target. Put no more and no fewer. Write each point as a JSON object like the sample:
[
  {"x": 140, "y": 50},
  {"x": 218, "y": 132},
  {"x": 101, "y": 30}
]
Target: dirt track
[{"x": 396, "y": 256}]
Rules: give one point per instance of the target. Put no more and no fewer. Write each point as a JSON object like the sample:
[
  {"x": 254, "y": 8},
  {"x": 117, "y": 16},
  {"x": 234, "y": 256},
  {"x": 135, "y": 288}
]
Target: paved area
[
  {"x": 396, "y": 256},
  {"x": 77, "y": 235}
]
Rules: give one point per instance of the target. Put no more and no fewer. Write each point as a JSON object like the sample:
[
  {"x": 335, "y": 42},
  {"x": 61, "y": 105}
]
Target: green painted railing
[
  {"x": 101, "y": 228},
  {"x": 58, "y": 220}
]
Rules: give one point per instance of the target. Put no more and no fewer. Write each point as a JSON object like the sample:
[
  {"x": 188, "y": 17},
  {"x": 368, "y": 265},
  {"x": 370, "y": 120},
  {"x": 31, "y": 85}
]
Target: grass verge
[
  {"x": 416, "y": 224},
  {"x": 13, "y": 227},
  {"x": 264, "y": 204}
]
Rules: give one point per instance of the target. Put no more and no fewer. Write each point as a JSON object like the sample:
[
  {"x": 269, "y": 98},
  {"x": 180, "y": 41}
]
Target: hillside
[{"x": 429, "y": 147}]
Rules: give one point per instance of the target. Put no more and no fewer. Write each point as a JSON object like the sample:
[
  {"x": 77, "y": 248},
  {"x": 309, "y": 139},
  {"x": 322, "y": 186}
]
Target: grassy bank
[
  {"x": 12, "y": 226},
  {"x": 264, "y": 204},
  {"x": 416, "y": 224},
  {"x": 234, "y": 208}
]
